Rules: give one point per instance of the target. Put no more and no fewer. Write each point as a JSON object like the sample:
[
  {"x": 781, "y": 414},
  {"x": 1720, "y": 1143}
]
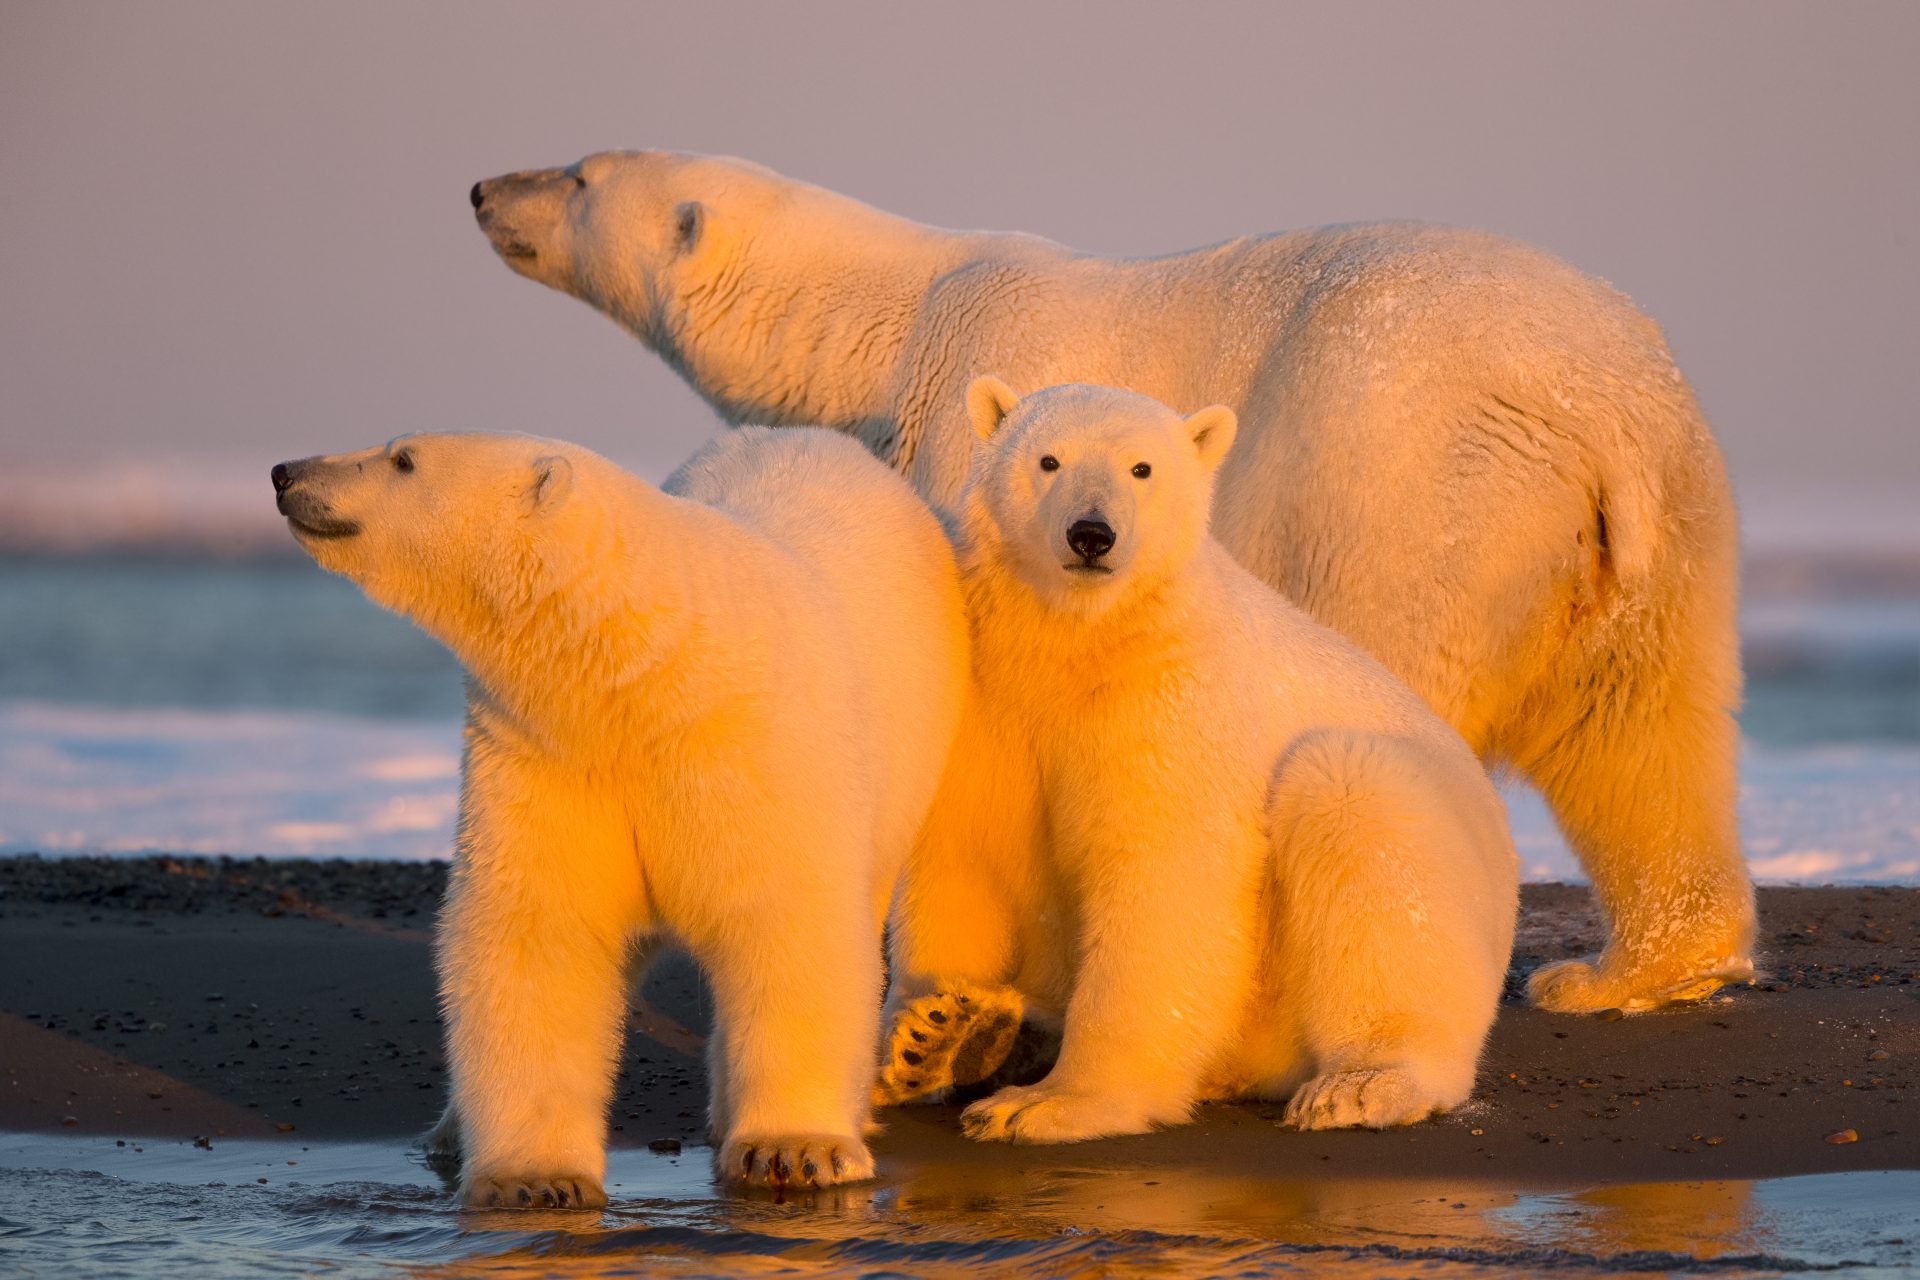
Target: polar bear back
[{"x": 861, "y": 528}]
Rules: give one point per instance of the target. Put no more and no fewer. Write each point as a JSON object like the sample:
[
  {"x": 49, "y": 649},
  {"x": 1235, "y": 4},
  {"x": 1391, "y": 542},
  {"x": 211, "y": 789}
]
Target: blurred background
[{"x": 236, "y": 233}]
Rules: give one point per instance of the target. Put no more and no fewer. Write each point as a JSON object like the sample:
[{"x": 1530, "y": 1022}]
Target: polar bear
[
  {"x": 1457, "y": 451},
  {"x": 1230, "y": 850},
  {"x": 715, "y": 714}
]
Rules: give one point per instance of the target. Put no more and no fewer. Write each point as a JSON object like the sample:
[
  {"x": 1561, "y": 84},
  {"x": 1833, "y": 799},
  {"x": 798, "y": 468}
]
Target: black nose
[
  {"x": 1090, "y": 539},
  {"x": 477, "y": 195},
  {"x": 282, "y": 477}
]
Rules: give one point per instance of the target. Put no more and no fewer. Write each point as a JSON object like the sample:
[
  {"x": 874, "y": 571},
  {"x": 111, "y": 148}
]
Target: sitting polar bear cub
[
  {"x": 1234, "y": 853},
  {"x": 715, "y": 714}
]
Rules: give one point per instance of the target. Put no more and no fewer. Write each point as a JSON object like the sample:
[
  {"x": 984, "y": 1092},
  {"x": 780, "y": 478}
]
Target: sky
[{"x": 232, "y": 234}]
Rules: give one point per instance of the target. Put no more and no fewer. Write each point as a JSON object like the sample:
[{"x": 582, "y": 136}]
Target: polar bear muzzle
[{"x": 307, "y": 511}]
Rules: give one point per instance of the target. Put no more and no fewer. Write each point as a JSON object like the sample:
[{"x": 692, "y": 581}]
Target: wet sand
[{"x": 186, "y": 998}]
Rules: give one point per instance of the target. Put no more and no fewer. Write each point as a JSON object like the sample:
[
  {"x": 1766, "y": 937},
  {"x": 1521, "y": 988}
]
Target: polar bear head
[
  {"x": 1088, "y": 493},
  {"x": 631, "y": 233},
  {"x": 452, "y": 531}
]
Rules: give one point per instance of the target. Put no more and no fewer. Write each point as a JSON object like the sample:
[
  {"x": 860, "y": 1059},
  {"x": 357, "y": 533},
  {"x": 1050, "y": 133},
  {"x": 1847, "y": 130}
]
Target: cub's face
[
  {"x": 1092, "y": 491},
  {"x": 625, "y": 231},
  {"x": 421, "y": 524}
]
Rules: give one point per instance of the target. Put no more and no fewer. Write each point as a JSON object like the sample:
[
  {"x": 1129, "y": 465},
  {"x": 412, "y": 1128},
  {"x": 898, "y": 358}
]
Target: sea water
[
  {"x": 91, "y": 1207},
  {"x": 268, "y": 709}
]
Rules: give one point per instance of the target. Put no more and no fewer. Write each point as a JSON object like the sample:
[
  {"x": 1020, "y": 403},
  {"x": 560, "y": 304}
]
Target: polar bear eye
[
  {"x": 1141, "y": 471},
  {"x": 403, "y": 460},
  {"x": 1049, "y": 463}
]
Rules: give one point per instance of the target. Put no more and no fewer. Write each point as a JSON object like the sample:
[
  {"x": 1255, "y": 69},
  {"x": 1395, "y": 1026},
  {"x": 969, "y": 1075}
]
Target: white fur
[
  {"x": 1230, "y": 850},
  {"x": 715, "y": 714},
  {"x": 1472, "y": 460}
]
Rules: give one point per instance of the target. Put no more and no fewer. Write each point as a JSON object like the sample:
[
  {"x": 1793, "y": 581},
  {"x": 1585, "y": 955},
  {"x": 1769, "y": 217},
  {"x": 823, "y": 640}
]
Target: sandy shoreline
[{"x": 187, "y": 998}]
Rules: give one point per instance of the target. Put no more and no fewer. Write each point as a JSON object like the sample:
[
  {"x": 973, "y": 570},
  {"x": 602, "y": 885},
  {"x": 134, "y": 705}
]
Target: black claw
[
  {"x": 911, "y": 1058},
  {"x": 525, "y": 1196},
  {"x": 934, "y": 1015},
  {"x": 919, "y": 1037},
  {"x": 811, "y": 1171}
]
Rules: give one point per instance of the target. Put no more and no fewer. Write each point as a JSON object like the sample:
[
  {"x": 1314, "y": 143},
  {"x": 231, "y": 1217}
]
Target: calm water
[
  {"x": 269, "y": 709},
  {"x": 288, "y": 637},
  {"x": 75, "y": 1207}
]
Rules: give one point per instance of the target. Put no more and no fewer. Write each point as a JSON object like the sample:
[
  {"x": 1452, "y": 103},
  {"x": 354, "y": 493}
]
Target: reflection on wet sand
[
  {"x": 1058, "y": 1219},
  {"x": 250, "y": 1207}
]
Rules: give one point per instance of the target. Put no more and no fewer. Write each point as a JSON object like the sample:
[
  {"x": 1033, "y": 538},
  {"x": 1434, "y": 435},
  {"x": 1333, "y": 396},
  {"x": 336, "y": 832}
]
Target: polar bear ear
[
  {"x": 1212, "y": 430},
  {"x": 989, "y": 401},
  {"x": 552, "y": 482},
  {"x": 689, "y": 220}
]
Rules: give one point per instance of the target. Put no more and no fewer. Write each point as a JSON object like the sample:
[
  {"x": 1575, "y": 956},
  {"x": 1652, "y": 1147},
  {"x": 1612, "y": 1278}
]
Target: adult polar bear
[
  {"x": 1466, "y": 456},
  {"x": 715, "y": 714}
]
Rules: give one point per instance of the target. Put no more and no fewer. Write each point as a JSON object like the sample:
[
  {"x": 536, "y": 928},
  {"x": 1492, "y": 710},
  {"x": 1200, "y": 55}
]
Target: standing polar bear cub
[
  {"x": 715, "y": 714},
  {"x": 1236, "y": 855}
]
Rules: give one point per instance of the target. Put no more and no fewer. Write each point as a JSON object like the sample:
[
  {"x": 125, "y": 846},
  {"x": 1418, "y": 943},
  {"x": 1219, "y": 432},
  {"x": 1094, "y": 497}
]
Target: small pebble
[
  {"x": 284, "y": 1128},
  {"x": 69, "y": 1120},
  {"x": 1610, "y": 1015},
  {"x": 1878, "y": 1055},
  {"x": 665, "y": 1146},
  {"x": 1843, "y": 1137}
]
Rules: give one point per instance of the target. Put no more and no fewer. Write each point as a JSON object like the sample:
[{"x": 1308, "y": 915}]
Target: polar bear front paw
[
  {"x": 1379, "y": 1098},
  {"x": 533, "y": 1191},
  {"x": 793, "y": 1160},
  {"x": 1037, "y": 1113},
  {"x": 947, "y": 1039},
  {"x": 1583, "y": 986}
]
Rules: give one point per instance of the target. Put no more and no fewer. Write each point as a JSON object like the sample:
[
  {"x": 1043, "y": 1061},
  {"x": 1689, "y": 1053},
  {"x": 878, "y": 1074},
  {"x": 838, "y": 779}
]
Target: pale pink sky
[{"x": 235, "y": 233}]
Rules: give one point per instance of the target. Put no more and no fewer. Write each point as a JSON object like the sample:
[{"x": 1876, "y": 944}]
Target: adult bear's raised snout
[
  {"x": 284, "y": 474},
  {"x": 1090, "y": 539}
]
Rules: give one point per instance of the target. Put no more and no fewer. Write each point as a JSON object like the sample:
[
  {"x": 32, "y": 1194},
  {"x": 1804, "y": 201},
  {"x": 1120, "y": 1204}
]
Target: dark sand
[{"x": 166, "y": 997}]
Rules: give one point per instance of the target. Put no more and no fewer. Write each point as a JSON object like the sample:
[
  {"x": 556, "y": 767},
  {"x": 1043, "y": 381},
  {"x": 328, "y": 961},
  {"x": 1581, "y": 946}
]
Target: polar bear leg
[
  {"x": 1646, "y": 798},
  {"x": 971, "y": 880},
  {"x": 1163, "y": 973},
  {"x": 442, "y": 1142},
  {"x": 1393, "y": 918},
  {"x": 531, "y": 952},
  {"x": 794, "y": 968}
]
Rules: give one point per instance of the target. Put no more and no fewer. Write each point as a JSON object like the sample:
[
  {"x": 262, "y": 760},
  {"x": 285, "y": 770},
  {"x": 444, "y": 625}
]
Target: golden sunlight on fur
[
  {"x": 714, "y": 715},
  {"x": 1473, "y": 461},
  {"x": 1230, "y": 853}
]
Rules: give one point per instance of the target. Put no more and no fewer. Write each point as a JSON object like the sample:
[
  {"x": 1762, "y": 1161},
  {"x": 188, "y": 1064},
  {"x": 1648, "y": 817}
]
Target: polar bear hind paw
[
  {"x": 534, "y": 1191},
  {"x": 1583, "y": 986},
  {"x": 1375, "y": 1098},
  {"x": 946, "y": 1039},
  {"x": 1036, "y": 1113},
  {"x": 793, "y": 1160}
]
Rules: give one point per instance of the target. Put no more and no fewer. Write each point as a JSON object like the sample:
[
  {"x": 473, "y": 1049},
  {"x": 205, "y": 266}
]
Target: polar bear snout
[
  {"x": 1090, "y": 538},
  {"x": 296, "y": 497}
]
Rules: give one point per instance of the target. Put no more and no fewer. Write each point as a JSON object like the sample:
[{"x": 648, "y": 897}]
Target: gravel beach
[{"x": 176, "y": 997}]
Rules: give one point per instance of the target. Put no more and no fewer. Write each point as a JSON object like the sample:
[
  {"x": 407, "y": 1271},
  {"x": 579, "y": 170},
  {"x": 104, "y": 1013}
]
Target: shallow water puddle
[{"x": 91, "y": 1207}]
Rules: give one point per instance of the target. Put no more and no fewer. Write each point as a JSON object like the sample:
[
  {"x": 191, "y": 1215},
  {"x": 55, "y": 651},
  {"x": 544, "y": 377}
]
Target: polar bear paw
[
  {"x": 793, "y": 1160},
  {"x": 533, "y": 1191},
  {"x": 1584, "y": 986},
  {"x": 1038, "y": 1113},
  {"x": 1377, "y": 1098},
  {"x": 946, "y": 1039}
]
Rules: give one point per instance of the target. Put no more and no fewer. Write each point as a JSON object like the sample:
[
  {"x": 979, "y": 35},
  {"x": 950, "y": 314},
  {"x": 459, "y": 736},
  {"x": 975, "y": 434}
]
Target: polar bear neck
[
  {"x": 1016, "y": 633},
  {"x": 558, "y": 643},
  {"x": 805, "y": 322}
]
